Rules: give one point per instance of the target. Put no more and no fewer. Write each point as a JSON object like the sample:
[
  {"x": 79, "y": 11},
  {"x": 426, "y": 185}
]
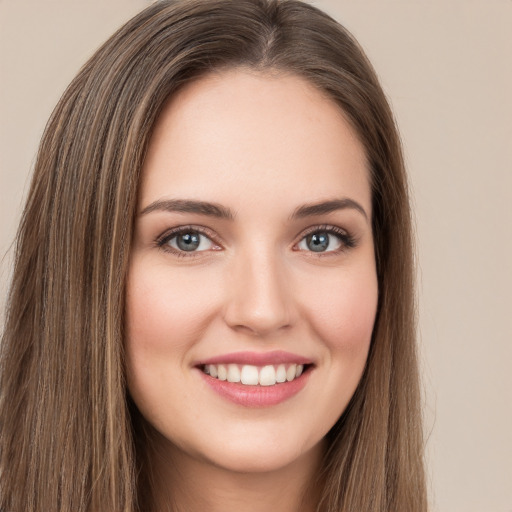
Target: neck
[{"x": 185, "y": 483}]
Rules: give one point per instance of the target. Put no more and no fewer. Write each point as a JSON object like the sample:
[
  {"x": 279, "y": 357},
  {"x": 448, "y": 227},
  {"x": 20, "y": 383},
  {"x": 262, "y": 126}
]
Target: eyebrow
[
  {"x": 324, "y": 207},
  {"x": 190, "y": 206},
  {"x": 221, "y": 212}
]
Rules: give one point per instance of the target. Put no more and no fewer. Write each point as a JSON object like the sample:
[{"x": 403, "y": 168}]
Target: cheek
[
  {"x": 342, "y": 310},
  {"x": 166, "y": 311}
]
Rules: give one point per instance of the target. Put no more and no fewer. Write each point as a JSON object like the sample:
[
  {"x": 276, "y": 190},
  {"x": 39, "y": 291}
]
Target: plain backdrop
[{"x": 446, "y": 66}]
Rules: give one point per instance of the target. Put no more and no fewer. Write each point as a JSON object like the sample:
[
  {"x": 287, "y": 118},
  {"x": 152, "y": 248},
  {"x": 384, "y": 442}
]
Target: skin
[{"x": 262, "y": 146}]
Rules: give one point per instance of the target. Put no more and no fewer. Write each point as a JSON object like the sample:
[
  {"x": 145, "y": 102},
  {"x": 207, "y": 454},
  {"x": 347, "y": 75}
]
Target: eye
[
  {"x": 187, "y": 240},
  {"x": 326, "y": 240}
]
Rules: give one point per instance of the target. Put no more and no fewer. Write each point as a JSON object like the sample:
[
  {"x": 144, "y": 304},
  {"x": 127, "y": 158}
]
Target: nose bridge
[{"x": 259, "y": 301}]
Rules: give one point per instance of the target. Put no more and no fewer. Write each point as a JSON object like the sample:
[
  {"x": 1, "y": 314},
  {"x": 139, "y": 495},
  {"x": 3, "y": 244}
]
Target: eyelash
[
  {"x": 347, "y": 240},
  {"x": 166, "y": 237}
]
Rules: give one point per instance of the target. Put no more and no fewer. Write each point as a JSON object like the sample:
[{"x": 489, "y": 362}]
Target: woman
[{"x": 212, "y": 302}]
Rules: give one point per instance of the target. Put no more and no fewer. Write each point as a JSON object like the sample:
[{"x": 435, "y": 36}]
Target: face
[{"x": 252, "y": 261}]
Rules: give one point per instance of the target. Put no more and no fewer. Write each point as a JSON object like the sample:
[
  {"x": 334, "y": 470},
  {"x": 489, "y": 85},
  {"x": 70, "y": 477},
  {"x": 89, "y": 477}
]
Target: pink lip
[
  {"x": 256, "y": 358},
  {"x": 256, "y": 396}
]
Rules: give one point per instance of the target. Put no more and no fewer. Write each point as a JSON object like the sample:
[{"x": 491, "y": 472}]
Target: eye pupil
[
  {"x": 188, "y": 241},
  {"x": 318, "y": 242}
]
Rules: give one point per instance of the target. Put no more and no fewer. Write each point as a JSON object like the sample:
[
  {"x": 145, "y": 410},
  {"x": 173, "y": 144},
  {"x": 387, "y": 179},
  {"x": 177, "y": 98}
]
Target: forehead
[{"x": 259, "y": 134}]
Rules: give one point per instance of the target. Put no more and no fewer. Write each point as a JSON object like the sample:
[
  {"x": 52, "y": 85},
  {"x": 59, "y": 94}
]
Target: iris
[
  {"x": 188, "y": 241},
  {"x": 318, "y": 242}
]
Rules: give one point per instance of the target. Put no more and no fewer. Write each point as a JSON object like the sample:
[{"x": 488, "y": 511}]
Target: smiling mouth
[{"x": 250, "y": 375}]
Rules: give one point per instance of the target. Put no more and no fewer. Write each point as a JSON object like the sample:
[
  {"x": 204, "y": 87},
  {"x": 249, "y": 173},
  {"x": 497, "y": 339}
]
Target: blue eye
[
  {"x": 320, "y": 241},
  {"x": 187, "y": 241},
  {"x": 326, "y": 240}
]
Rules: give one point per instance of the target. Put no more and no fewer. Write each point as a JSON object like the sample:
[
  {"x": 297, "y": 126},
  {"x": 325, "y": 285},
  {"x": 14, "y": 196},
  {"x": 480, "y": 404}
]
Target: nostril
[
  {"x": 260, "y": 301},
  {"x": 258, "y": 328}
]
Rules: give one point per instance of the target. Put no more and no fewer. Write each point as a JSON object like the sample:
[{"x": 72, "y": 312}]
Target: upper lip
[{"x": 257, "y": 358}]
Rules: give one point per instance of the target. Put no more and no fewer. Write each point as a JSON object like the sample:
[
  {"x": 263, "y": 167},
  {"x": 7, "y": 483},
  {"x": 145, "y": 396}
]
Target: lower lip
[{"x": 256, "y": 396}]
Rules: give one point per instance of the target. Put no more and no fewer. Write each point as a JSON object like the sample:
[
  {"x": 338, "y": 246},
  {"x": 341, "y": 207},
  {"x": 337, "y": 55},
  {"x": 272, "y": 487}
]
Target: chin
[{"x": 262, "y": 457}]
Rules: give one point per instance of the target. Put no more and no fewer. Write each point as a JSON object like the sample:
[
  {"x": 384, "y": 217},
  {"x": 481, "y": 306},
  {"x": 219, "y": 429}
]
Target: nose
[{"x": 259, "y": 295}]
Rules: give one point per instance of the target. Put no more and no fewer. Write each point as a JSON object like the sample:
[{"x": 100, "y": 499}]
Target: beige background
[{"x": 447, "y": 68}]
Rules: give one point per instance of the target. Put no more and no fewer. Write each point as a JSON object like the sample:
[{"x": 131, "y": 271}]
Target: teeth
[
  {"x": 281, "y": 373},
  {"x": 250, "y": 375},
  {"x": 233, "y": 374},
  {"x": 222, "y": 373},
  {"x": 267, "y": 376},
  {"x": 290, "y": 373}
]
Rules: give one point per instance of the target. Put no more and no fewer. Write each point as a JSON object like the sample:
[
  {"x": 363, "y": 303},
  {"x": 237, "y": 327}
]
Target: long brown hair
[{"x": 67, "y": 441}]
